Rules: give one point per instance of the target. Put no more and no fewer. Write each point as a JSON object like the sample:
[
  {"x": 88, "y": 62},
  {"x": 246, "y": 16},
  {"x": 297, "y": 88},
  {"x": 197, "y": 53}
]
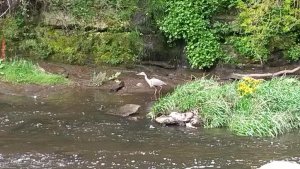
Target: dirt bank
[{"x": 80, "y": 77}]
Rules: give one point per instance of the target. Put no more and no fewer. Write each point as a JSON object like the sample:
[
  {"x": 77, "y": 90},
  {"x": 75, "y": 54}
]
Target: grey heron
[{"x": 153, "y": 82}]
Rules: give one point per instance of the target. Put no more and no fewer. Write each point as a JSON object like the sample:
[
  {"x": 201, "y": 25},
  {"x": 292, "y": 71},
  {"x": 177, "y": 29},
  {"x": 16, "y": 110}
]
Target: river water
[{"x": 71, "y": 129}]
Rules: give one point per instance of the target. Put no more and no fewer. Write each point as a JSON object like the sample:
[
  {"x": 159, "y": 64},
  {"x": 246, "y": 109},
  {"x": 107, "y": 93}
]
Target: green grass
[
  {"x": 22, "y": 71},
  {"x": 271, "y": 110}
]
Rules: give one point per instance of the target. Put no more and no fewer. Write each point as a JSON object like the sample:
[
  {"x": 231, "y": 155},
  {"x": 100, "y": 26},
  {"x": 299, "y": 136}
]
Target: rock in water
[
  {"x": 281, "y": 165},
  {"x": 117, "y": 86},
  {"x": 165, "y": 120},
  {"x": 127, "y": 110},
  {"x": 182, "y": 117},
  {"x": 189, "y": 119}
]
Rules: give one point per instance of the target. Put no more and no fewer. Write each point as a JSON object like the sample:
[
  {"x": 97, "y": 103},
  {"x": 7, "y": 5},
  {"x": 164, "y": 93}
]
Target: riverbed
[{"x": 74, "y": 128}]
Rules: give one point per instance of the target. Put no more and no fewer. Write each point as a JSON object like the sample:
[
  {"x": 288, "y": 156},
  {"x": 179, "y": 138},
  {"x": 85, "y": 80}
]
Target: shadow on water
[{"x": 71, "y": 129}]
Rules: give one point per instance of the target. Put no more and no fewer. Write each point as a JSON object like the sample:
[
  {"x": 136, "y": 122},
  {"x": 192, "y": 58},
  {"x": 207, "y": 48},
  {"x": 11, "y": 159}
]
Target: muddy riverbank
[{"x": 80, "y": 77}]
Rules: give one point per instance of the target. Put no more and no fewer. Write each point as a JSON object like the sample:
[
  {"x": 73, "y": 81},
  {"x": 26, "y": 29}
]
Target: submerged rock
[
  {"x": 127, "y": 110},
  {"x": 281, "y": 165}
]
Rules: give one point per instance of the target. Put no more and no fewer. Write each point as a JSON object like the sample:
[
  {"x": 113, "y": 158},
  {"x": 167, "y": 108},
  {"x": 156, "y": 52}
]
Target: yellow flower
[{"x": 247, "y": 86}]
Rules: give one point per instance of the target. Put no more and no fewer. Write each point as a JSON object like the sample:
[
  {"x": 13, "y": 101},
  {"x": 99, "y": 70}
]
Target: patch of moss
[
  {"x": 114, "y": 13},
  {"x": 117, "y": 48},
  {"x": 79, "y": 47},
  {"x": 60, "y": 46}
]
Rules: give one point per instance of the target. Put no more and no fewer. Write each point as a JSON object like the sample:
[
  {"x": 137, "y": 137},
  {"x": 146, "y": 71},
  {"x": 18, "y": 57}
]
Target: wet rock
[
  {"x": 127, "y": 110},
  {"x": 281, "y": 165},
  {"x": 195, "y": 120},
  {"x": 183, "y": 117},
  {"x": 117, "y": 87},
  {"x": 188, "y": 119},
  {"x": 189, "y": 125},
  {"x": 165, "y": 120}
]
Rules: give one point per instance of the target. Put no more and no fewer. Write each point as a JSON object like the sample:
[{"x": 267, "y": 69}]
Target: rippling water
[{"x": 71, "y": 129}]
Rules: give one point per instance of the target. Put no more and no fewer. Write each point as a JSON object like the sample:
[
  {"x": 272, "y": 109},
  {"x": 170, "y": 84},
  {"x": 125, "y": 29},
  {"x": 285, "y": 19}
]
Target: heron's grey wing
[{"x": 157, "y": 82}]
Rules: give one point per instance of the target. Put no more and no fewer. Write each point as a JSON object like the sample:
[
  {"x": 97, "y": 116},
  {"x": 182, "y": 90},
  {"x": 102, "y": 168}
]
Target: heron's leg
[
  {"x": 155, "y": 90},
  {"x": 159, "y": 92}
]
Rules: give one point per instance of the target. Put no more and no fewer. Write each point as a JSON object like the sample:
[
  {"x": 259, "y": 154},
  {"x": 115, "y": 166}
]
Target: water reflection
[{"x": 71, "y": 130}]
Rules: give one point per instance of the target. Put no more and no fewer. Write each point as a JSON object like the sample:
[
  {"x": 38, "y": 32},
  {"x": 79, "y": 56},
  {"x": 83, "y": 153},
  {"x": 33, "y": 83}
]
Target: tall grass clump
[
  {"x": 22, "y": 71},
  {"x": 272, "y": 110},
  {"x": 206, "y": 95},
  {"x": 268, "y": 108}
]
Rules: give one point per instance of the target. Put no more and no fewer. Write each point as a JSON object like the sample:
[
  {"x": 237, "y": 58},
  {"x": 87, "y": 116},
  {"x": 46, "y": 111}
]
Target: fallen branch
[
  {"x": 264, "y": 75},
  {"x": 8, "y": 3}
]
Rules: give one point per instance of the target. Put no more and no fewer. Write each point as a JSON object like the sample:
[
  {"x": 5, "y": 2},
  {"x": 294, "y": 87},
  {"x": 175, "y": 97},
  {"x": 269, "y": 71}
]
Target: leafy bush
[
  {"x": 269, "y": 110},
  {"x": 266, "y": 26},
  {"x": 190, "y": 20},
  {"x": 293, "y": 53}
]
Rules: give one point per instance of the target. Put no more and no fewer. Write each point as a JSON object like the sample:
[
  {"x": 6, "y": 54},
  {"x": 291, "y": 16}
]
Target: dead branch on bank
[
  {"x": 264, "y": 75},
  {"x": 8, "y": 8}
]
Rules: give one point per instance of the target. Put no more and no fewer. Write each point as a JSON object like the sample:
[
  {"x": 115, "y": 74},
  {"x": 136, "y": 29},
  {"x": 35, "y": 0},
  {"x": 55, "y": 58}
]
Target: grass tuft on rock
[
  {"x": 22, "y": 71},
  {"x": 271, "y": 109}
]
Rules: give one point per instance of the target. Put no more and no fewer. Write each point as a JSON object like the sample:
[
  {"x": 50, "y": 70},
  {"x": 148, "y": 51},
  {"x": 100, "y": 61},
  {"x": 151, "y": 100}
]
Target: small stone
[
  {"x": 139, "y": 85},
  {"x": 151, "y": 127}
]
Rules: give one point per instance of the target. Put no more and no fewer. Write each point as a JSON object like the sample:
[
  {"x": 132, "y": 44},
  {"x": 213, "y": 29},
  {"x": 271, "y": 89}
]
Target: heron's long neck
[{"x": 148, "y": 81}]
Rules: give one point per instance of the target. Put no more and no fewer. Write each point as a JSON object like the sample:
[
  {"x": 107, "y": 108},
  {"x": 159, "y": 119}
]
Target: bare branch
[
  {"x": 265, "y": 75},
  {"x": 8, "y": 9}
]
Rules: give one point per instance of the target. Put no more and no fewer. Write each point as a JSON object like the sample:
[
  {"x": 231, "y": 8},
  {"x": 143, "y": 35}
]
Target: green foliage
[
  {"x": 293, "y": 53},
  {"x": 58, "y": 45},
  {"x": 207, "y": 96},
  {"x": 78, "y": 47},
  {"x": 9, "y": 28},
  {"x": 115, "y": 13},
  {"x": 266, "y": 26},
  {"x": 1, "y": 66},
  {"x": 22, "y": 71},
  {"x": 190, "y": 20},
  {"x": 252, "y": 48},
  {"x": 117, "y": 48},
  {"x": 272, "y": 109}
]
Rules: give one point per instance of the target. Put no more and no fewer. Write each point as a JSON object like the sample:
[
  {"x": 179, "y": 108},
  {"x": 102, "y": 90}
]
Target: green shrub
[
  {"x": 190, "y": 20},
  {"x": 251, "y": 47},
  {"x": 293, "y": 54},
  {"x": 265, "y": 26},
  {"x": 212, "y": 101}
]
